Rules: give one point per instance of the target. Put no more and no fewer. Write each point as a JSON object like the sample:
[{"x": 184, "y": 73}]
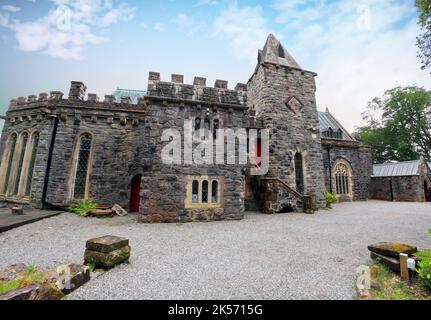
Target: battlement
[
  {"x": 137, "y": 100},
  {"x": 198, "y": 91}
]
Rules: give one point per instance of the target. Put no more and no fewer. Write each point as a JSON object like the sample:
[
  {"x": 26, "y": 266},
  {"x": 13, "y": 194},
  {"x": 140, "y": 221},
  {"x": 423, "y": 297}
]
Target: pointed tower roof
[{"x": 274, "y": 52}]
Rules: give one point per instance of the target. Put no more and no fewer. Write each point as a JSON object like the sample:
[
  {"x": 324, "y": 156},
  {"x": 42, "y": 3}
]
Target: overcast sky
[{"x": 358, "y": 48}]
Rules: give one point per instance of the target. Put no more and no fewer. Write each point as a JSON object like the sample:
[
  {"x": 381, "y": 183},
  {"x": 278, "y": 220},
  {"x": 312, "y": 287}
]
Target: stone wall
[
  {"x": 360, "y": 160},
  {"x": 409, "y": 189},
  {"x": 127, "y": 141}
]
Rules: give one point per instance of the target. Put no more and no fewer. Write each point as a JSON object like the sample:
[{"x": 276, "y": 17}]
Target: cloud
[
  {"x": 69, "y": 27},
  {"x": 159, "y": 27},
  {"x": 245, "y": 27},
  {"x": 10, "y": 8},
  {"x": 358, "y": 49},
  {"x": 4, "y": 20},
  {"x": 206, "y": 3}
]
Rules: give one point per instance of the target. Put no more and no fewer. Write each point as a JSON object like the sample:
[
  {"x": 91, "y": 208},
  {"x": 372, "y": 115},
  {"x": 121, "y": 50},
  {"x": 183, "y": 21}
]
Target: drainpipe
[
  {"x": 329, "y": 168},
  {"x": 45, "y": 204}
]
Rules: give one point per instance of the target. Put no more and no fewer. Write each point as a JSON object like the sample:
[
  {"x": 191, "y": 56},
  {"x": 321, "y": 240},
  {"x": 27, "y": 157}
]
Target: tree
[
  {"x": 397, "y": 125},
  {"x": 424, "y": 39}
]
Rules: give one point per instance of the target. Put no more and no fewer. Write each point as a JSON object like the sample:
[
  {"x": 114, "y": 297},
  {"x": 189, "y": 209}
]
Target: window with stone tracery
[
  {"x": 10, "y": 160},
  {"x": 204, "y": 192},
  {"x": 343, "y": 176}
]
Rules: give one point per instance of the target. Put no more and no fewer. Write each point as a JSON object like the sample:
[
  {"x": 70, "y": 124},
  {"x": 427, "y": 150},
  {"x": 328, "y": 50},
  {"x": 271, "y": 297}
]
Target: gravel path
[{"x": 291, "y": 256}]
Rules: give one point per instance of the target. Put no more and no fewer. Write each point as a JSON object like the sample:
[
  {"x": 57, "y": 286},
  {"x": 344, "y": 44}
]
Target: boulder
[
  {"x": 80, "y": 274},
  {"x": 34, "y": 292},
  {"x": 12, "y": 272},
  {"x": 119, "y": 211},
  {"x": 107, "y": 260},
  {"x": 106, "y": 244},
  {"x": 392, "y": 249}
]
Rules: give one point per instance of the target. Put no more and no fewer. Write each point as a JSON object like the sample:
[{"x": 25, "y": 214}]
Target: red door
[
  {"x": 135, "y": 193},
  {"x": 427, "y": 198},
  {"x": 259, "y": 154}
]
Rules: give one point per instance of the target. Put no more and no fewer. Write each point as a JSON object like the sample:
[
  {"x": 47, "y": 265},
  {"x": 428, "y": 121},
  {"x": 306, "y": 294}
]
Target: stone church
[{"x": 56, "y": 150}]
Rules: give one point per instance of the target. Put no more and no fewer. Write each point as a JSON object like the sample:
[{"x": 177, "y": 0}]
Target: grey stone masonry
[{"x": 116, "y": 145}]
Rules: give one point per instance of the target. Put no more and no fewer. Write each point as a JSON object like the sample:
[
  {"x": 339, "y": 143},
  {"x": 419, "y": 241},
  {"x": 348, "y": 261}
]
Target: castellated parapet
[{"x": 198, "y": 91}]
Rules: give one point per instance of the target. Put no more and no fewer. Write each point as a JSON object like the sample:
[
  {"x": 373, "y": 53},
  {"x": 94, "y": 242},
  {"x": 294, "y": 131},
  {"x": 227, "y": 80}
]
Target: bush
[
  {"x": 330, "y": 199},
  {"x": 83, "y": 207},
  {"x": 424, "y": 272}
]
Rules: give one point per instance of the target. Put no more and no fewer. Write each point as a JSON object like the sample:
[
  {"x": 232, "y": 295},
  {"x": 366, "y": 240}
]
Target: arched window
[
  {"x": 197, "y": 126},
  {"x": 195, "y": 191},
  {"x": 214, "y": 192},
  {"x": 12, "y": 145},
  {"x": 207, "y": 125},
  {"x": 299, "y": 173},
  {"x": 24, "y": 140},
  {"x": 342, "y": 179},
  {"x": 205, "y": 191},
  {"x": 35, "y": 145},
  {"x": 216, "y": 126},
  {"x": 81, "y": 176}
]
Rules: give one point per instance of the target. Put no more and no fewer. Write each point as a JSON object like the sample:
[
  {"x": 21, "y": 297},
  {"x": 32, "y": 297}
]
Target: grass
[
  {"x": 426, "y": 254},
  {"x": 387, "y": 285},
  {"x": 83, "y": 207},
  {"x": 30, "y": 276}
]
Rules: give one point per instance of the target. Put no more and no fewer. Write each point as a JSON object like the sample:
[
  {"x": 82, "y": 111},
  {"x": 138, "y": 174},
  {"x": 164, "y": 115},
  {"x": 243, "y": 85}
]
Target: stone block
[
  {"x": 390, "y": 262},
  {"x": 392, "y": 249},
  {"x": 177, "y": 78},
  {"x": 107, "y": 260},
  {"x": 106, "y": 244},
  {"x": 220, "y": 84},
  {"x": 199, "y": 81}
]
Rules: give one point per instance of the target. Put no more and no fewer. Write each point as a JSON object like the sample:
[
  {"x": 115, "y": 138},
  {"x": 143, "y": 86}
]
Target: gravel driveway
[{"x": 290, "y": 256}]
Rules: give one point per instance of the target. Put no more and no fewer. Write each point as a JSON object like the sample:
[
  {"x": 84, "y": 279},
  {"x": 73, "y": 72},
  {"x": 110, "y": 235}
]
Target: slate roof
[
  {"x": 327, "y": 121},
  {"x": 133, "y": 94},
  {"x": 401, "y": 169}
]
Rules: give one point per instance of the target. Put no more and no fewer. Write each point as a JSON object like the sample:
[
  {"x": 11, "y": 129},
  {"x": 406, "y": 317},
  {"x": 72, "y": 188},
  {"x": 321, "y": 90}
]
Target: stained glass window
[
  {"x": 214, "y": 192},
  {"x": 32, "y": 163},
  {"x": 12, "y": 144},
  {"x": 24, "y": 139},
  {"x": 299, "y": 173},
  {"x": 82, "y": 166},
  {"x": 205, "y": 191}
]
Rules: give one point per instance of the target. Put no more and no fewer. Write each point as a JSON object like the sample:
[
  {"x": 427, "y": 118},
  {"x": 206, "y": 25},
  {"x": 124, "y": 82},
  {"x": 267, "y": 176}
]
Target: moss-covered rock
[
  {"x": 392, "y": 249},
  {"x": 107, "y": 260}
]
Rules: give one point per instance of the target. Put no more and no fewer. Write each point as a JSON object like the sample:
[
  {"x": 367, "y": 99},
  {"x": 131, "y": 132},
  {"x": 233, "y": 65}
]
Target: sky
[{"x": 359, "y": 49}]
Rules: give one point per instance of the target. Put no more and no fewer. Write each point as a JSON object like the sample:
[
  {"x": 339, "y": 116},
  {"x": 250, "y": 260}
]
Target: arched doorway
[{"x": 135, "y": 193}]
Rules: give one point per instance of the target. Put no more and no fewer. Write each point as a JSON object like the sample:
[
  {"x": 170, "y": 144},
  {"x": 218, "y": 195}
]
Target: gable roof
[
  {"x": 274, "y": 52},
  {"x": 327, "y": 121},
  {"x": 400, "y": 169}
]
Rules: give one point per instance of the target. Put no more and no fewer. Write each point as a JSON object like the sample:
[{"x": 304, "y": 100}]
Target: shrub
[
  {"x": 330, "y": 199},
  {"x": 424, "y": 272},
  {"x": 83, "y": 207}
]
